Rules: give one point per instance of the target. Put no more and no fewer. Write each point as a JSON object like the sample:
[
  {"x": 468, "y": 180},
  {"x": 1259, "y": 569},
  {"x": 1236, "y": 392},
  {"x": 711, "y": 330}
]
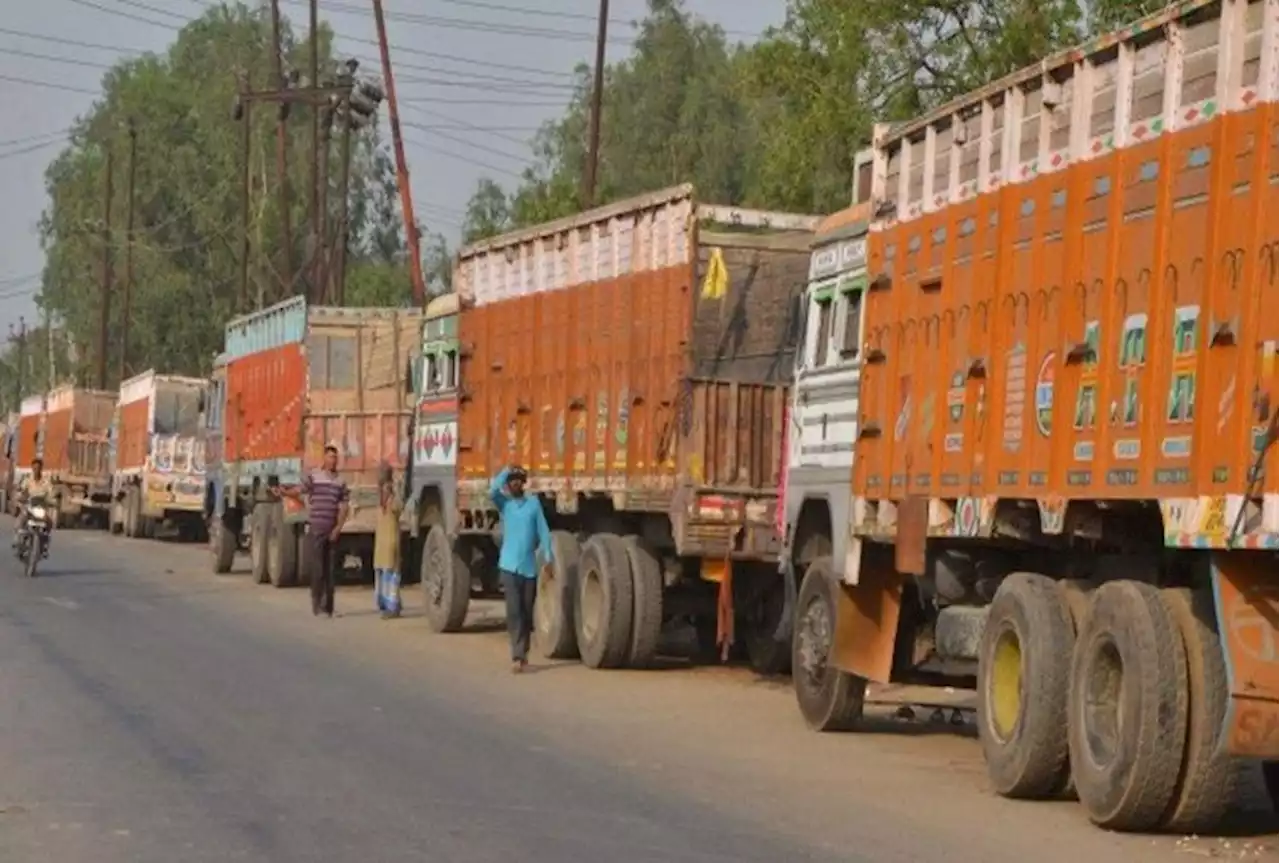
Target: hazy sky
[{"x": 455, "y": 72}]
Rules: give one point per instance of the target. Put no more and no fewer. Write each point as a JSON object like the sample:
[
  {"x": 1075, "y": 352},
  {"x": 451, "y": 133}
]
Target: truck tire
[
  {"x": 1207, "y": 787},
  {"x": 222, "y": 545},
  {"x": 646, "y": 613},
  {"x": 1128, "y": 662},
  {"x": 1269, "y": 779},
  {"x": 829, "y": 699},
  {"x": 259, "y": 536},
  {"x": 767, "y": 655},
  {"x": 554, "y": 634},
  {"x": 606, "y": 602},
  {"x": 1024, "y": 669},
  {"x": 132, "y": 515},
  {"x": 446, "y": 582},
  {"x": 282, "y": 549}
]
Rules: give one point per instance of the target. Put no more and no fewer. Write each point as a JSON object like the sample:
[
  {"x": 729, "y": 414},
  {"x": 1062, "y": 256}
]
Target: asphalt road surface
[{"x": 151, "y": 711}]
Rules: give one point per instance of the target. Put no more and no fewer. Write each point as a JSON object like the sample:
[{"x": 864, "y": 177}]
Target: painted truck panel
[
  {"x": 76, "y": 426},
  {"x": 433, "y": 479},
  {"x": 631, "y": 352},
  {"x": 299, "y": 377},
  {"x": 30, "y": 429},
  {"x": 158, "y": 443}
]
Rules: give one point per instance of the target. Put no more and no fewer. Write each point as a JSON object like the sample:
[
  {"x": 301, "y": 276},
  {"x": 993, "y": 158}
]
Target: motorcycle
[{"x": 33, "y": 539}]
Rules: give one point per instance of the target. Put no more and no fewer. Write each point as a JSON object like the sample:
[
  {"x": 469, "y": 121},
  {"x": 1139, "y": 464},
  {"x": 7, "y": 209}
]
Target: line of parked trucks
[{"x": 1008, "y": 422}]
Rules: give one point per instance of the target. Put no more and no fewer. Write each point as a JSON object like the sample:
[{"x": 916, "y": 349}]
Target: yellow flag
[{"x": 715, "y": 284}]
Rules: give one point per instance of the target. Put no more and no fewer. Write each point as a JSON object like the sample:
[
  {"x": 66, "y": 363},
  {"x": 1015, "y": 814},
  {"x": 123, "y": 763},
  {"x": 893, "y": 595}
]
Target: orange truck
[
  {"x": 158, "y": 457},
  {"x": 635, "y": 359},
  {"x": 1063, "y": 486},
  {"x": 68, "y": 429},
  {"x": 295, "y": 378}
]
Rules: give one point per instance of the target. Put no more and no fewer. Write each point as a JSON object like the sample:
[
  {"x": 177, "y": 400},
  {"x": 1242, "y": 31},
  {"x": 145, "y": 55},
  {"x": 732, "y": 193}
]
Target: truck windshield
[{"x": 177, "y": 413}]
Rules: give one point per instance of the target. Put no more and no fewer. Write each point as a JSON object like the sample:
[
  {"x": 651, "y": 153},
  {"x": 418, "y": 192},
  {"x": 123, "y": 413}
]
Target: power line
[
  {"x": 72, "y": 61},
  {"x": 31, "y": 82},
  {"x": 30, "y": 148},
  {"x": 433, "y": 148},
  {"x": 409, "y": 124},
  {"x": 121, "y": 13}
]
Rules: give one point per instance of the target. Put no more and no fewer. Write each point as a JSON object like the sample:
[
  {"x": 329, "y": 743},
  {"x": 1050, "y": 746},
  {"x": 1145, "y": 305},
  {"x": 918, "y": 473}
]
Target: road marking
[{"x": 68, "y": 604}]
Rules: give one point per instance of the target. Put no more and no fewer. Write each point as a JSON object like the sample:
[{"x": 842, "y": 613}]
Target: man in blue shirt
[{"x": 524, "y": 531}]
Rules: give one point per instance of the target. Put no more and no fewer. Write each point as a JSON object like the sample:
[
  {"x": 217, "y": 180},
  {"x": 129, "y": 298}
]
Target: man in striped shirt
[{"x": 327, "y": 502}]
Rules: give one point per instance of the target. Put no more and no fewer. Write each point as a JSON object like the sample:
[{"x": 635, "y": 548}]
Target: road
[{"x": 151, "y": 711}]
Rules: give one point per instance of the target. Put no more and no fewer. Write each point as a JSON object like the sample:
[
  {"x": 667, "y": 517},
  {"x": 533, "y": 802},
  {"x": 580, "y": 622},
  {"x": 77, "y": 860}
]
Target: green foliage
[
  {"x": 776, "y": 124},
  {"x": 186, "y": 250}
]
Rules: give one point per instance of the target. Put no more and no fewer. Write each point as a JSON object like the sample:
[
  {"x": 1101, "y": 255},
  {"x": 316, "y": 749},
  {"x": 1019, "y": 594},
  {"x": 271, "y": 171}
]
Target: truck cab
[
  {"x": 823, "y": 420},
  {"x": 431, "y": 489}
]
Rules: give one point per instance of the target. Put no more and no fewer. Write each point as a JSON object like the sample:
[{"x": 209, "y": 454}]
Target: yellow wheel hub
[{"x": 1006, "y": 684}]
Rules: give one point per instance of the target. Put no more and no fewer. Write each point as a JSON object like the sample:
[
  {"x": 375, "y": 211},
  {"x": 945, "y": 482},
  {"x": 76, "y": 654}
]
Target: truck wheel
[
  {"x": 606, "y": 602},
  {"x": 446, "y": 583},
  {"x": 1208, "y": 784},
  {"x": 646, "y": 614},
  {"x": 555, "y": 636},
  {"x": 259, "y": 536},
  {"x": 1127, "y": 708},
  {"x": 1024, "y": 665},
  {"x": 131, "y": 514},
  {"x": 829, "y": 699},
  {"x": 767, "y": 655},
  {"x": 1269, "y": 778},
  {"x": 222, "y": 544},
  {"x": 282, "y": 549}
]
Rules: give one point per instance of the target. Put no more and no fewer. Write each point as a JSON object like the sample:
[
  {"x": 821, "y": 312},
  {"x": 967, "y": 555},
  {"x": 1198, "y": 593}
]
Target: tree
[
  {"x": 187, "y": 215},
  {"x": 487, "y": 212}
]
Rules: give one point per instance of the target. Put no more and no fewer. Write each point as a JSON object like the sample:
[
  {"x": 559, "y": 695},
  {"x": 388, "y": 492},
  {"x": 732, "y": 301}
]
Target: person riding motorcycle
[{"x": 33, "y": 486}]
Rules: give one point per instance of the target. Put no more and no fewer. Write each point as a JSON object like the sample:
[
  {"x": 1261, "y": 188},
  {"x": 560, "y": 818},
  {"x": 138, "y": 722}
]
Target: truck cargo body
[
  {"x": 299, "y": 378},
  {"x": 8, "y": 460},
  {"x": 69, "y": 430},
  {"x": 159, "y": 471},
  {"x": 432, "y": 486},
  {"x": 1065, "y": 470},
  {"x": 635, "y": 360}
]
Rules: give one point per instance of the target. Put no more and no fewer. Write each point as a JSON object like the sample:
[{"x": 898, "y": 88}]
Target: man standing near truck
[
  {"x": 327, "y": 503},
  {"x": 524, "y": 531}
]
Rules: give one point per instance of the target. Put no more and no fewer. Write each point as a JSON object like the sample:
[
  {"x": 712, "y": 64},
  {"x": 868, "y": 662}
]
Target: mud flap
[
  {"x": 867, "y": 613},
  {"x": 1244, "y": 592}
]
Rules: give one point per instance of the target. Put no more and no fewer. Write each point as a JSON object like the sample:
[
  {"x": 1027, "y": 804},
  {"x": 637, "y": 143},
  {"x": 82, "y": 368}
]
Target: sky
[{"x": 453, "y": 64}]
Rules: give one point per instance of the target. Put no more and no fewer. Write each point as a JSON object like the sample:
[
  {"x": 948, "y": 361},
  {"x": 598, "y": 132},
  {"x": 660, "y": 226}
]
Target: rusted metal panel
[{"x": 1244, "y": 586}]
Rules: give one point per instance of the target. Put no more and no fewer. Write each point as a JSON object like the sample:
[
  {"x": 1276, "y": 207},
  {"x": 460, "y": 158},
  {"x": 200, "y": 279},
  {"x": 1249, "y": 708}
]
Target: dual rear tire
[{"x": 1134, "y": 675}]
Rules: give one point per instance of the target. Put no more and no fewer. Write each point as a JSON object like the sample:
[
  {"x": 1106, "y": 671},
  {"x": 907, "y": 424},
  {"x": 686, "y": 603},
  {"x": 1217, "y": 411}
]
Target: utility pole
[
  {"x": 125, "y": 308},
  {"x": 344, "y": 188},
  {"x": 19, "y": 388},
  {"x": 597, "y": 95},
  {"x": 48, "y": 338},
  {"x": 321, "y": 289},
  {"x": 244, "y": 111},
  {"x": 282, "y": 149},
  {"x": 317, "y": 242},
  {"x": 104, "y": 309},
  {"x": 402, "y": 167}
]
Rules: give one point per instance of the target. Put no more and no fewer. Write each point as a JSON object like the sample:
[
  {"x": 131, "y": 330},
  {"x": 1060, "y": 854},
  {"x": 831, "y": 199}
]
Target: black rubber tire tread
[
  {"x": 259, "y": 535},
  {"x": 768, "y": 656},
  {"x": 449, "y": 613},
  {"x": 304, "y": 558},
  {"x": 606, "y": 555},
  {"x": 131, "y": 514},
  {"x": 1207, "y": 786},
  {"x": 1269, "y": 780},
  {"x": 647, "y": 589},
  {"x": 555, "y": 633},
  {"x": 222, "y": 543},
  {"x": 1076, "y": 592},
  {"x": 837, "y": 703},
  {"x": 1032, "y": 763},
  {"x": 282, "y": 550},
  {"x": 1132, "y": 793}
]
